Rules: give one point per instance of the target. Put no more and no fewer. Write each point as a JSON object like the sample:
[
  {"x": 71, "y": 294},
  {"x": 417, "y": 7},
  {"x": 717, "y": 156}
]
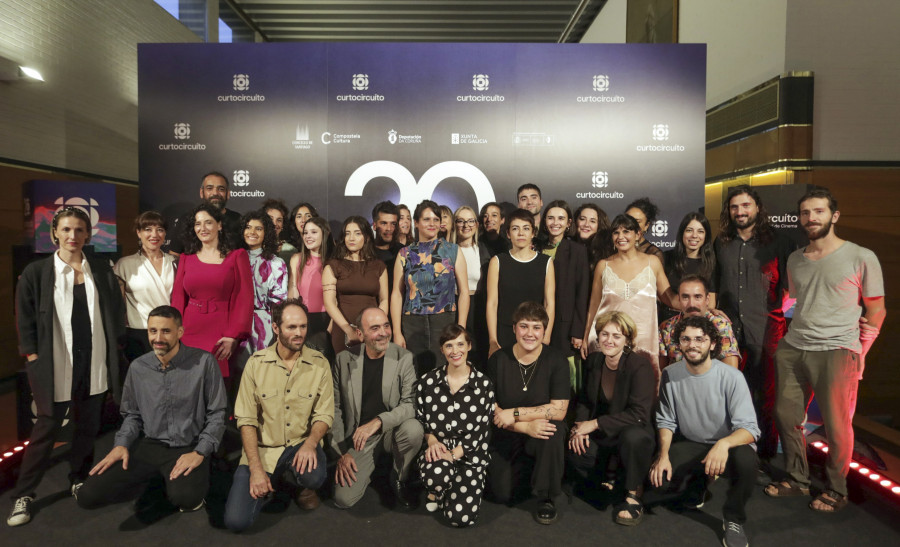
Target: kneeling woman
[
  {"x": 531, "y": 383},
  {"x": 613, "y": 415},
  {"x": 455, "y": 403}
]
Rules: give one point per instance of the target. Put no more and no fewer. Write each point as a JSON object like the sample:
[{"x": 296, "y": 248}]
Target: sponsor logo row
[
  {"x": 598, "y": 85},
  {"x": 303, "y": 141}
]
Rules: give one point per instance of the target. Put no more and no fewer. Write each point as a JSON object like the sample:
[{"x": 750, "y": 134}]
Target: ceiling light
[{"x": 32, "y": 73}]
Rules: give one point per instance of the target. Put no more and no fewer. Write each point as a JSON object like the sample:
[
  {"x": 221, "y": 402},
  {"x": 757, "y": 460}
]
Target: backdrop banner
[{"x": 345, "y": 125}]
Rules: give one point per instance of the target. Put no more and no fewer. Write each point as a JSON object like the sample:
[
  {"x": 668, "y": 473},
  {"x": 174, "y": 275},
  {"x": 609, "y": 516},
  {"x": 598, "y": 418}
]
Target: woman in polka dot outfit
[{"x": 455, "y": 404}]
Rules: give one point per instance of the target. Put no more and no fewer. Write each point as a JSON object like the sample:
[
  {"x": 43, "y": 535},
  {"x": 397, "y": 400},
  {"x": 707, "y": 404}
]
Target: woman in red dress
[{"x": 213, "y": 289}]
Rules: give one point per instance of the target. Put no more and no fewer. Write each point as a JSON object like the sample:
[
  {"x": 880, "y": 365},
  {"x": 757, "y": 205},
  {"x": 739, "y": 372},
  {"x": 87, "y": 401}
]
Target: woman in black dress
[
  {"x": 531, "y": 384},
  {"x": 613, "y": 416},
  {"x": 455, "y": 403},
  {"x": 693, "y": 254}
]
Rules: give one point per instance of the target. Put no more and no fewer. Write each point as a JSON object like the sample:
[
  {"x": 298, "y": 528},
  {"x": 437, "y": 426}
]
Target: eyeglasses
[
  {"x": 462, "y": 222},
  {"x": 696, "y": 339}
]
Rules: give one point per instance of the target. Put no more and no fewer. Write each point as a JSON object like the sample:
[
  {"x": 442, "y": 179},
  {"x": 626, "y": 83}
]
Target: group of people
[{"x": 454, "y": 342}]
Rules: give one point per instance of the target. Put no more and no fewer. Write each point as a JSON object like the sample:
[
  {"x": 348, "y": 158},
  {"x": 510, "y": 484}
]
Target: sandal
[
  {"x": 785, "y": 490},
  {"x": 635, "y": 511},
  {"x": 833, "y": 500}
]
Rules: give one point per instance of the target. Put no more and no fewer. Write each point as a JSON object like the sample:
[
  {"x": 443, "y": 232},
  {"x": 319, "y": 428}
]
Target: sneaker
[
  {"x": 734, "y": 535},
  {"x": 21, "y": 513},
  {"x": 76, "y": 486},
  {"x": 199, "y": 507}
]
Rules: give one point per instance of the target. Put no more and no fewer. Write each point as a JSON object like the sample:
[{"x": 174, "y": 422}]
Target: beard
[
  {"x": 699, "y": 361},
  {"x": 823, "y": 231},
  {"x": 164, "y": 349},
  {"x": 293, "y": 343},
  {"x": 745, "y": 223},
  {"x": 216, "y": 202}
]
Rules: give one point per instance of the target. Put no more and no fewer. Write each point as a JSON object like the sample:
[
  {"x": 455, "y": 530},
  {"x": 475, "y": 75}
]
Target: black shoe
[
  {"x": 405, "y": 500},
  {"x": 546, "y": 513}
]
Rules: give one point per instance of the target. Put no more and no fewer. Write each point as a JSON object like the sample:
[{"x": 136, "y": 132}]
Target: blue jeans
[{"x": 241, "y": 509}]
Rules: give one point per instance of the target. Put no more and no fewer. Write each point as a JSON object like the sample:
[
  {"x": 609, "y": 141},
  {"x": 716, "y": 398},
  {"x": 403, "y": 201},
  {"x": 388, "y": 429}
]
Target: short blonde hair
[{"x": 623, "y": 321}]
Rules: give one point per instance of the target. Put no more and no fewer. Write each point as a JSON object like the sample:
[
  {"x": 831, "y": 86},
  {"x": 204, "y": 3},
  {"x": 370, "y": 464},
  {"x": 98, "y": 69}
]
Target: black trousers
[
  {"x": 634, "y": 446},
  {"x": 688, "y": 476},
  {"x": 510, "y": 457},
  {"x": 148, "y": 459},
  {"x": 759, "y": 371},
  {"x": 85, "y": 415}
]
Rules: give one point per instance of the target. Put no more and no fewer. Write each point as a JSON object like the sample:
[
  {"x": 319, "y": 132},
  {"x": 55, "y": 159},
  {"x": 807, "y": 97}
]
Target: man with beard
[
  {"x": 706, "y": 427},
  {"x": 693, "y": 293},
  {"x": 385, "y": 216},
  {"x": 492, "y": 229},
  {"x": 175, "y": 396},
  {"x": 213, "y": 190},
  {"x": 528, "y": 197},
  {"x": 374, "y": 387},
  {"x": 284, "y": 408},
  {"x": 840, "y": 308},
  {"x": 751, "y": 259}
]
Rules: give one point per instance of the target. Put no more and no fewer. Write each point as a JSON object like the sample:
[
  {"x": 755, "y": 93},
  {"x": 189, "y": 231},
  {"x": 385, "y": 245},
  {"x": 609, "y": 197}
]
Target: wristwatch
[{"x": 516, "y": 414}]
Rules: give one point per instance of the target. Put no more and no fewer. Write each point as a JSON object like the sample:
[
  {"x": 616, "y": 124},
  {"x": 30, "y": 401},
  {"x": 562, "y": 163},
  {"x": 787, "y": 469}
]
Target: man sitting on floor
[
  {"x": 175, "y": 396},
  {"x": 708, "y": 404},
  {"x": 284, "y": 407},
  {"x": 693, "y": 293},
  {"x": 374, "y": 386}
]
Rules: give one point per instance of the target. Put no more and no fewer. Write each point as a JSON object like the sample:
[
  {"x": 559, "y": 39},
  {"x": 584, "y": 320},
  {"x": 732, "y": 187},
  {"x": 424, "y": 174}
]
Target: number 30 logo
[{"x": 413, "y": 192}]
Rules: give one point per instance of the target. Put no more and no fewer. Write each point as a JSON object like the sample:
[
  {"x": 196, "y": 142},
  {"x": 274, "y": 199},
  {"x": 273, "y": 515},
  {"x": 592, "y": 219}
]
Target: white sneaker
[
  {"x": 21, "y": 513},
  {"x": 75, "y": 488},
  {"x": 199, "y": 507}
]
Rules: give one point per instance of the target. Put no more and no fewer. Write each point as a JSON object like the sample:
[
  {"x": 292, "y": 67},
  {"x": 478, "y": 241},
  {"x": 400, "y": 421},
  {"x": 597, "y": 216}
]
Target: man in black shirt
[
  {"x": 374, "y": 387},
  {"x": 752, "y": 279},
  {"x": 175, "y": 397},
  {"x": 385, "y": 216},
  {"x": 213, "y": 190}
]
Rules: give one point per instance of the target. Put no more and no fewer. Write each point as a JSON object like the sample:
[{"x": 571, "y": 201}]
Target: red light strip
[
  {"x": 881, "y": 480},
  {"x": 12, "y": 452}
]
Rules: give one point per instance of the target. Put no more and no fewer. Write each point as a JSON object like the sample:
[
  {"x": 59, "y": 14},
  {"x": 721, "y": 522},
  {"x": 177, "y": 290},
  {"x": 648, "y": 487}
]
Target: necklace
[{"x": 523, "y": 370}]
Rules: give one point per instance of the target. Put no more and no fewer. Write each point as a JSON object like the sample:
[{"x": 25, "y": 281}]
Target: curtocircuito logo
[
  {"x": 392, "y": 136},
  {"x": 601, "y": 82},
  {"x": 481, "y": 82},
  {"x": 88, "y": 205},
  {"x": 241, "y": 177},
  {"x": 600, "y": 179},
  {"x": 661, "y": 132},
  {"x": 241, "y": 82},
  {"x": 412, "y": 191},
  {"x": 182, "y": 131},
  {"x": 660, "y": 228},
  {"x": 360, "y": 82}
]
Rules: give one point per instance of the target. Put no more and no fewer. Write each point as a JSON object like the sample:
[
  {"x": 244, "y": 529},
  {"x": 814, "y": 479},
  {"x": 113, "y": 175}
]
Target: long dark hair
[
  {"x": 192, "y": 243},
  {"x": 270, "y": 242},
  {"x": 599, "y": 245},
  {"x": 294, "y": 237},
  {"x": 367, "y": 252},
  {"x": 762, "y": 230},
  {"x": 325, "y": 249},
  {"x": 707, "y": 255}
]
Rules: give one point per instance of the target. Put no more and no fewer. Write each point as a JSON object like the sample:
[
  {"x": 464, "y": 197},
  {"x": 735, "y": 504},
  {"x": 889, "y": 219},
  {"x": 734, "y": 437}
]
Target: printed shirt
[
  {"x": 429, "y": 270},
  {"x": 669, "y": 347}
]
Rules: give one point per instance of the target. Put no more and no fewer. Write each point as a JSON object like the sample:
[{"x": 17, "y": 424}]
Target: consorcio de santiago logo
[
  {"x": 599, "y": 180},
  {"x": 480, "y": 82},
  {"x": 660, "y": 133},
  {"x": 360, "y": 82},
  {"x": 600, "y": 85},
  {"x": 240, "y": 83},
  {"x": 182, "y": 132}
]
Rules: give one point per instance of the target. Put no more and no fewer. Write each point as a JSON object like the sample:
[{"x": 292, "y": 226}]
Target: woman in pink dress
[
  {"x": 213, "y": 289},
  {"x": 306, "y": 280}
]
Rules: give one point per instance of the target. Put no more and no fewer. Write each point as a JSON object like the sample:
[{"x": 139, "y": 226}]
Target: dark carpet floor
[{"x": 868, "y": 520}]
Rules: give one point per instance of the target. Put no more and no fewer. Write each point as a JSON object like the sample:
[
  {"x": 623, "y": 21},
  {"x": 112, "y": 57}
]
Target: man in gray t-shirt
[
  {"x": 707, "y": 403},
  {"x": 840, "y": 308}
]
